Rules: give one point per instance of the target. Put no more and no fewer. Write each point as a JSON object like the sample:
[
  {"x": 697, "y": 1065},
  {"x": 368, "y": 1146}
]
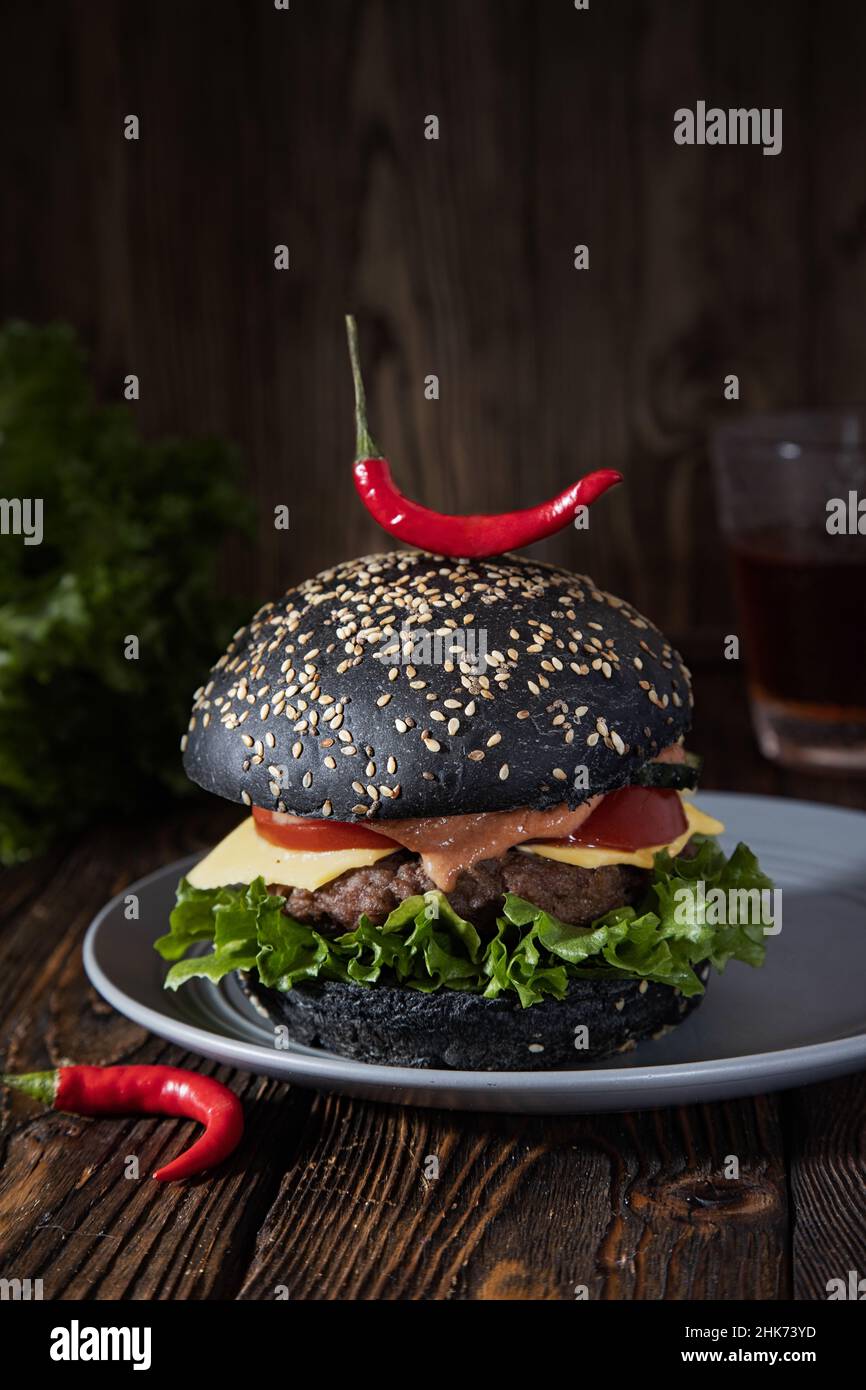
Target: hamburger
[{"x": 468, "y": 835}]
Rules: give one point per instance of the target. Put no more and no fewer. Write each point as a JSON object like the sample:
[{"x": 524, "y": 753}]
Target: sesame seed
[
  {"x": 327, "y": 808},
  {"x": 560, "y": 775},
  {"x": 453, "y": 726},
  {"x": 432, "y": 745},
  {"x": 476, "y": 755},
  {"x": 503, "y": 772},
  {"x": 246, "y": 799},
  {"x": 493, "y": 740},
  {"x": 383, "y": 700}
]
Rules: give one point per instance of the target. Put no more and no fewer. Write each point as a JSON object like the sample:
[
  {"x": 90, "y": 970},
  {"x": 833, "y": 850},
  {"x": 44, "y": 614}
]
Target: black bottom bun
[{"x": 395, "y": 1026}]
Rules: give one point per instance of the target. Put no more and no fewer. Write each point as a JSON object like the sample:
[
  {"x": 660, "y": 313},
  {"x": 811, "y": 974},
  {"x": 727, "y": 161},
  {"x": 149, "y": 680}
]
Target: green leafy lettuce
[
  {"x": 131, "y": 531},
  {"x": 425, "y": 945}
]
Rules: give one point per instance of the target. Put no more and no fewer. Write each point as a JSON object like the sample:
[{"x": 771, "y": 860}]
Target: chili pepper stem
[
  {"x": 364, "y": 446},
  {"x": 39, "y": 1085}
]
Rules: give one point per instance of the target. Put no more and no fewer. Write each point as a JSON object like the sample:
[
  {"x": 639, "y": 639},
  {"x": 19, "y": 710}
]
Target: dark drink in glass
[{"x": 788, "y": 489}]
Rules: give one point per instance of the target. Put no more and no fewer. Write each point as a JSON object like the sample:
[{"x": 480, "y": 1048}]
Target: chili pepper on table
[
  {"x": 146, "y": 1090},
  {"x": 464, "y": 537}
]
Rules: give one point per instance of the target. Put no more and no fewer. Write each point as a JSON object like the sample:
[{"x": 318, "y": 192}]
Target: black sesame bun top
[{"x": 408, "y": 684}]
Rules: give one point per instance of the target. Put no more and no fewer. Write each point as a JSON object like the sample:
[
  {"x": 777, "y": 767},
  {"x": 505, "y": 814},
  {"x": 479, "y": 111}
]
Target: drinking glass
[{"x": 790, "y": 489}]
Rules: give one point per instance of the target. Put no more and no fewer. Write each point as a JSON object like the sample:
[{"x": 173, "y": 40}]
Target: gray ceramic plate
[{"x": 801, "y": 1018}]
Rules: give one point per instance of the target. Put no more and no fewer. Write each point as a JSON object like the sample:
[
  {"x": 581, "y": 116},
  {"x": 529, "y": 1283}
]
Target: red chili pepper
[
  {"x": 148, "y": 1091},
  {"x": 464, "y": 537}
]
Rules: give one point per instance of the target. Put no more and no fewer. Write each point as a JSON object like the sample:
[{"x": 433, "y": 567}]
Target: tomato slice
[
  {"x": 301, "y": 832},
  {"x": 630, "y": 819}
]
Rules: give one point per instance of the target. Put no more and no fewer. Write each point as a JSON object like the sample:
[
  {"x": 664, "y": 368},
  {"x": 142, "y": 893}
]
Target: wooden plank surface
[
  {"x": 306, "y": 128},
  {"x": 608, "y": 1206},
  {"x": 828, "y": 1180},
  {"x": 331, "y": 1198}
]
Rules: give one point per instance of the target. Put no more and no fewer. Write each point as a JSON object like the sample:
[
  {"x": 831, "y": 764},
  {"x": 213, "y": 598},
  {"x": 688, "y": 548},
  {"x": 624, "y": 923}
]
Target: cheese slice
[
  {"x": 244, "y": 854},
  {"x": 698, "y": 824}
]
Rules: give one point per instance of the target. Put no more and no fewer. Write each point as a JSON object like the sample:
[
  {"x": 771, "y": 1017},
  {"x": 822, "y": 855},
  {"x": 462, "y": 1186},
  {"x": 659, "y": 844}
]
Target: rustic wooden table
[{"x": 327, "y": 1197}]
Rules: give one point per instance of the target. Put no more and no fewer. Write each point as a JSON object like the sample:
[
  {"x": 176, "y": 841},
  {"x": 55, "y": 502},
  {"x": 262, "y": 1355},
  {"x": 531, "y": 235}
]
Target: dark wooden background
[{"x": 261, "y": 127}]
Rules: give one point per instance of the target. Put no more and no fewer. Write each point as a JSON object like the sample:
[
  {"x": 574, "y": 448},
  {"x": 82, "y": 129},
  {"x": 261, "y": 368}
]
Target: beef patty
[{"x": 575, "y": 895}]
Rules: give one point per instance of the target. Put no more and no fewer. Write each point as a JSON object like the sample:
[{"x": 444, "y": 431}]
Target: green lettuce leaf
[
  {"x": 235, "y": 916},
  {"x": 133, "y": 527},
  {"x": 425, "y": 945}
]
